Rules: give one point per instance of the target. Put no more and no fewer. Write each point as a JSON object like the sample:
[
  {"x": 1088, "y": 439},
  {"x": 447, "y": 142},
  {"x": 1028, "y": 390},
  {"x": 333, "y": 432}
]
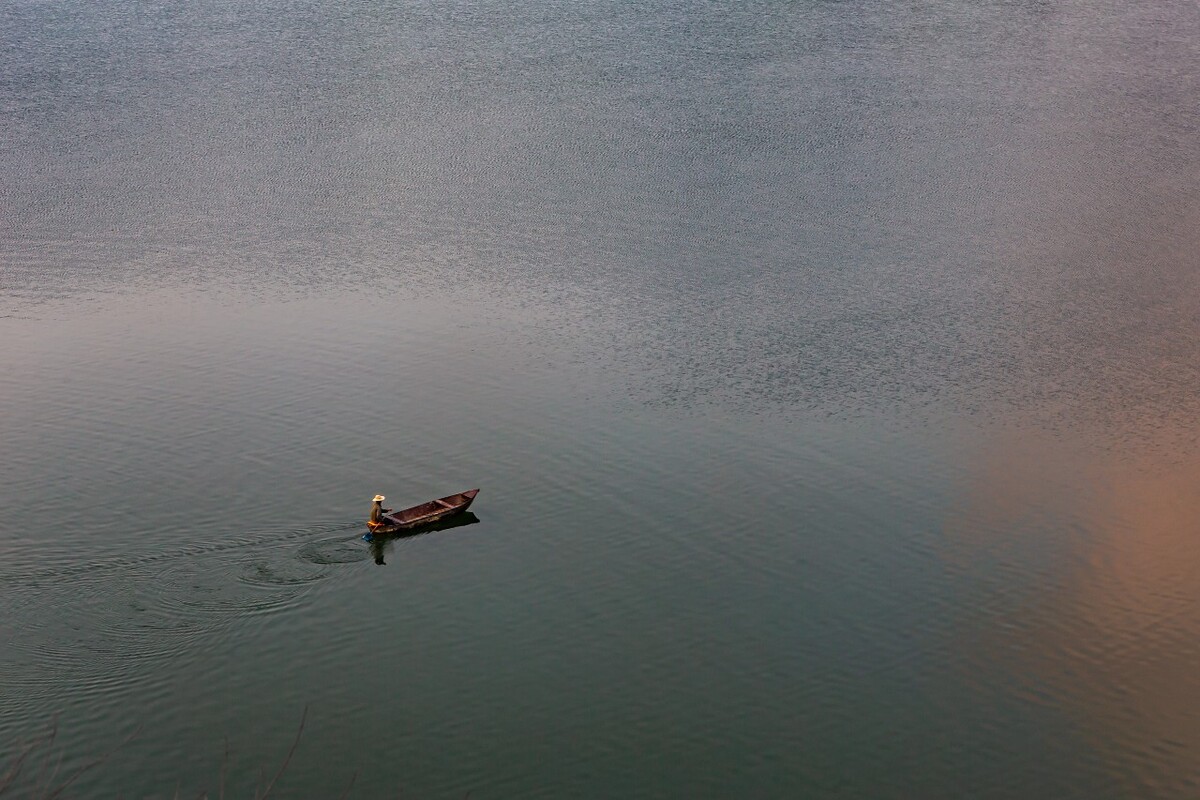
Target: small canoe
[{"x": 424, "y": 514}]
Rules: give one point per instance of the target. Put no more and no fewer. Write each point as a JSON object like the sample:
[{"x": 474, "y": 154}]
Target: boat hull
[{"x": 425, "y": 514}]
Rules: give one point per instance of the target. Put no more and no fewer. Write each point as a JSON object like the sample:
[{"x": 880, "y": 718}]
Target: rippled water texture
[{"x": 829, "y": 371}]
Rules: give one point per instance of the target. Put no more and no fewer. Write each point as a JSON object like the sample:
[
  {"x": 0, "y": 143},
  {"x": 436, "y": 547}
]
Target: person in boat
[{"x": 377, "y": 510}]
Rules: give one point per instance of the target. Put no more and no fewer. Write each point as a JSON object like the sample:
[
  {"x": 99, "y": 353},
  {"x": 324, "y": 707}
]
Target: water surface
[{"x": 828, "y": 370}]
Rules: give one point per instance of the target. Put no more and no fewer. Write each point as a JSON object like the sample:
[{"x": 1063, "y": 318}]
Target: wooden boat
[{"x": 424, "y": 514}]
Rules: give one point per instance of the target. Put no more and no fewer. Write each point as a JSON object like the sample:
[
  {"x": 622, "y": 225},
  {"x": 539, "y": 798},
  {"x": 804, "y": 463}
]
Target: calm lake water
[{"x": 830, "y": 372}]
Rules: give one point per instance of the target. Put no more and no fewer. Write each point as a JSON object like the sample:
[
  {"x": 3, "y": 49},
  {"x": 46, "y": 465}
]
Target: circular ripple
[
  {"x": 334, "y": 551},
  {"x": 280, "y": 573}
]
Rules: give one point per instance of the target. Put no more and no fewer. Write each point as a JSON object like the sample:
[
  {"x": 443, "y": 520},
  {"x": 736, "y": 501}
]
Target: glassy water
[{"x": 829, "y": 371}]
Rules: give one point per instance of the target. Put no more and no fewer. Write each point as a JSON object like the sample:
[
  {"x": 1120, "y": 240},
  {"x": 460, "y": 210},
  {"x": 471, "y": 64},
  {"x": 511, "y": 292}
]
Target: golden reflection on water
[{"x": 1090, "y": 568}]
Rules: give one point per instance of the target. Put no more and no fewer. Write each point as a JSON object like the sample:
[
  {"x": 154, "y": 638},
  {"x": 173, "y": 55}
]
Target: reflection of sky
[
  {"x": 1088, "y": 566},
  {"x": 838, "y": 206}
]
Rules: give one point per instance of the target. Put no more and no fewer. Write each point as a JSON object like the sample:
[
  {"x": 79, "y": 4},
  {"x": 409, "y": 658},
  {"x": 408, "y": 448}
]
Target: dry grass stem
[{"x": 288, "y": 759}]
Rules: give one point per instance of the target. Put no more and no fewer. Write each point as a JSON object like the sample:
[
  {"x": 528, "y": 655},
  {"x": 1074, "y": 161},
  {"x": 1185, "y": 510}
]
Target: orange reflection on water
[{"x": 1089, "y": 568}]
